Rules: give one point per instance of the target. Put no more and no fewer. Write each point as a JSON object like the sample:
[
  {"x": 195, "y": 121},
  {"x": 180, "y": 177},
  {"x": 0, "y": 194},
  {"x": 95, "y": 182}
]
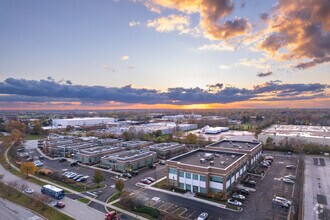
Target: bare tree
[
  {"x": 21, "y": 188},
  {"x": 12, "y": 186}
]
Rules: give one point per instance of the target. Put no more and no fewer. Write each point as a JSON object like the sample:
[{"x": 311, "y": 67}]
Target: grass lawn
[
  {"x": 135, "y": 212},
  {"x": 84, "y": 200},
  {"x": 34, "y": 137},
  {"x": 113, "y": 197},
  {"x": 162, "y": 184},
  {"x": 49, "y": 213}
]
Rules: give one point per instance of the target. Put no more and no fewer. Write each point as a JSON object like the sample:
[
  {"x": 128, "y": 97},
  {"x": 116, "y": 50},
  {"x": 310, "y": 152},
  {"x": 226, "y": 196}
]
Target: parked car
[
  {"x": 286, "y": 180},
  {"x": 152, "y": 166},
  {"x": 291, "y": 177},
  {"x": 234, "y": 202},
  {"x": 21, "y": 149},
  {"x": 250, "y": 183},
  {"x": 38, "y": 163},
  {"x": 269, "y": 158},
  {"x": 29, "y": 191},
  {"x": 163, "y": 162},
  {"x": 82, "y": 179},
  {"x": 134, "y": 172},
  {"x": 62, "y": 159},
  {"x": 290, "y": 167},
  {"x": 280, "y": 203},
  {"x": 74, "y": 163},
  {"x": 282, "y": 199},
  {"x": 41, "y": 157},
  {"x": 127, "y": 175},
  {"x": 151, "y": 179},
  {"x": 244, "y": 192},
  {"x": 30, "y": 159},
  {"x": 145, "y": 181},
  {"x": 269, "y": 161},
  {"x": 60, "y": 204},
  {"x": 203, "y": 216},
  {"x": 77, "y": 177},
  {"x": 238, "y": 196}
]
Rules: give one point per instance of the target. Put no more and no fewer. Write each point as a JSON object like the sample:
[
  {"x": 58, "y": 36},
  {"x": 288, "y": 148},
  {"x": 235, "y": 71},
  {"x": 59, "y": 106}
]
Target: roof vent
[
  {"x": 233, "y": 156},
  {"x": 211, "y": 162},
  {"x": 202, "y": 160},
  {"x": 222, "y": 162}
]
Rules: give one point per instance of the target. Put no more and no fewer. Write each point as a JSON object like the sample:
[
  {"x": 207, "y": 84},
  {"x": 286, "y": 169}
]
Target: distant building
[
  {"x": 93, "y": 155},
  {"x": 181, "y": 117},
  {"x": 214, "y": 130},
  {"x": 81, "y": 121},
  {"x": 306, "y": 134},
  {"x": 128, "y": 160},
  {"x": 167, "y": 150},
  {"x": 136, "y": 144},
  {"x": 207, "y": 171}
]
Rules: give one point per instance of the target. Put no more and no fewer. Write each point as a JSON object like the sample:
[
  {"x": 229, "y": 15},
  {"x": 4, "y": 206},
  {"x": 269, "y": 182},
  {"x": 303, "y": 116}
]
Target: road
[{"x": 12, "y": 211}]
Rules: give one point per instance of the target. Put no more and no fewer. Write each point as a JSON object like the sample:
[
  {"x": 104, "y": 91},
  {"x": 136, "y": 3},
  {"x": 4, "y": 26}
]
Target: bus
[{"x": 52, "y": 191}]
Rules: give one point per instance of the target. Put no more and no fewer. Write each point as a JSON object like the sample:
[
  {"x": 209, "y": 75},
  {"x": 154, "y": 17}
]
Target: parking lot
[{"x": 260, "y": 202}]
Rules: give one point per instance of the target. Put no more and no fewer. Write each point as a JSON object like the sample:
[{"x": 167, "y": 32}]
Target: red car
[
  {"x": 60, "y": 204},
  {"x": 145, "y": 181}
]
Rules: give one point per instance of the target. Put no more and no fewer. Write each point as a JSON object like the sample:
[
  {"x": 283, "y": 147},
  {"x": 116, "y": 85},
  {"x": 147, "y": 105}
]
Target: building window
[
  {"x": 202, "y": 190},
  {"x": 181, "y": 186},
  {"x": 188, "y": 187},
  {"x": 202, "y": 178},
  {"x": 188, "y": 175},
  {"x": 217, "y": 179},
  {"x": 195, "y": 176},
  {"x": 172, "y": 170},
  {"x": 181, "y": 174},
  {"x": 214, "y": 190}
]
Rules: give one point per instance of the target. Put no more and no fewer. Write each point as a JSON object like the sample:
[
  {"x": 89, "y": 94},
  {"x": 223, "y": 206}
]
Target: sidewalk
[
  {"x": 73, "y": 192},
  {"x": 192, "y": 197}
]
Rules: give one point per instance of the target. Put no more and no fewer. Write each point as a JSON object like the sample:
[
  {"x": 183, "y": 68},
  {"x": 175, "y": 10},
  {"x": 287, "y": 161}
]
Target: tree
[
  {"x": 37, "y": 129},
  {"x": 21, "y": 188},
  {"x": 191, "y": 138},
  {"x": 120, "y": 185},
  {"x": 13, "y": 124},
  {"x": 28, "y": 168},
  {"x": 98, "y": 177}
]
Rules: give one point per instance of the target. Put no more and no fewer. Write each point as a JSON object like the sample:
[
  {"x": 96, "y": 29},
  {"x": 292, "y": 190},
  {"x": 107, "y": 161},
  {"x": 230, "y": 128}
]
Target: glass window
[
  {"x": 202, "y": 190},
  {"x": 188, "y": 175},
  {"x": 202, "y": 178},
  {"x": 188, "y": 187},
  {"x": 172, "y": 170},
  {"x": 181, "y": 174},
  {"x": 214, "y": 190},
  {"x": 181, "y": 185},
  {"x": 217, "y": 179},
  {"x": 195, "y": 176}
]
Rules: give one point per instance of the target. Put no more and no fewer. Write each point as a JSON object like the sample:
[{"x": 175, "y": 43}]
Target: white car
[
  {"x": 234, "y": 202},
  {"x": 203, "y": 216},
  {"x": 291, "y": 177},
  {"x": 278, "y": 198},
  {"x": 29, "y": 191},
  {"x": 286, "y": 180},
  {"x": 290, "y": 167},
  {"x": 238, "y": 196}
]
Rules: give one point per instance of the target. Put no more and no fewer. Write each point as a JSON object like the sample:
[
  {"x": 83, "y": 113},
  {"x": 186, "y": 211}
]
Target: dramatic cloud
[
  {"x": 134, "y": 23},
  {"x": 265, "y": 74},
  {"x": 260, "y": 63},
  {"x": 21, "y": 90},
  {"x": 299, "y": 30},
  {"x": 212, "y": 13},
  {"x": 125, "y": 57},
  {"x": 170, "y": 23}
]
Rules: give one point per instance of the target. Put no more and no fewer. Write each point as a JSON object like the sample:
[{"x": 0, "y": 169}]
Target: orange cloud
[{"x": 170, "y": 23}]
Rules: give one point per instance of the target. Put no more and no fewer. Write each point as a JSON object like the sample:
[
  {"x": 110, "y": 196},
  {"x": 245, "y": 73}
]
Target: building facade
[{"x": 93, "y": 155}]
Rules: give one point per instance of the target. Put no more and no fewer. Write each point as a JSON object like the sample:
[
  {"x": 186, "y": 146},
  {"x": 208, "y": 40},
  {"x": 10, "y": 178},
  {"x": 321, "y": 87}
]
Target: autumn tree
[
  {"x": 37, "y": 129},
  {"x": 28, "y": 168},
  {"x": 120, "y": 185},
  {"x": 98, "y": 177},
  {"x": 191, "y": 138},
  {"x": 13, "y": 124}
]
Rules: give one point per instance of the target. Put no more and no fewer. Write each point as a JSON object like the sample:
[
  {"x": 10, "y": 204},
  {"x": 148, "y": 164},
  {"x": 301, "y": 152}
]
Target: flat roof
[
  {"x": 298, "y": 131},
  {"x": 165, "y": 146},
  {"x": 220, "y": 159},
  {"x": 100, "y": 149},
  {"x": 235, "y": 144},
  {"x": 129, "y": 155}
]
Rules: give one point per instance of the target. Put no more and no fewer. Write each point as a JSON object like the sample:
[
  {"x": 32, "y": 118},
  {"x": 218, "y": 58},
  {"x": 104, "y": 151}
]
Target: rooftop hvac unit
[
  {"x": 211, "y": 162},
  {"x": 202, "y": 160},
  {"x": 240, "y": 147},
  {"x": 233, "y": 156},
  {"x": 216, "y": 155},
  {"x": 222, "y": 162}
]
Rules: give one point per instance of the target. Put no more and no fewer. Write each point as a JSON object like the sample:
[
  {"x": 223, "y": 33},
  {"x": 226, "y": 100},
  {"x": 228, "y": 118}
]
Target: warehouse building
[
  {"x": 81, "y": 121},
  {"x": 90, "y": 156},
  {"x": 306, "y": 134},
  {"x": 252, "y": 148},
  {"x": 167, "y": 150},
  {"x": 207, "y": 171},
  {"x": 127, "y": 161}
]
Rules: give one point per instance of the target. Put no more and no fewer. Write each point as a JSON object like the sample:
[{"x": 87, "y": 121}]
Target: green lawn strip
[
  {"x": 34, "y": 137},
  {"x": 179, "y": 211},
  {"x": 113, "y": 197},
  {"x": 141, "y": 211},
  {"x": 84, "y": 200},
  {"x": 229, "y": 206},
  {"x": 49, "y": 213},
  {"x": 162, "y": 184}
]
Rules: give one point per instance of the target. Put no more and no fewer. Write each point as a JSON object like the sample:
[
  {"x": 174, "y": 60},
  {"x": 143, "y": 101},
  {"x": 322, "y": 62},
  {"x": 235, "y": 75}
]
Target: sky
[{"x": 185, "y": 54}]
